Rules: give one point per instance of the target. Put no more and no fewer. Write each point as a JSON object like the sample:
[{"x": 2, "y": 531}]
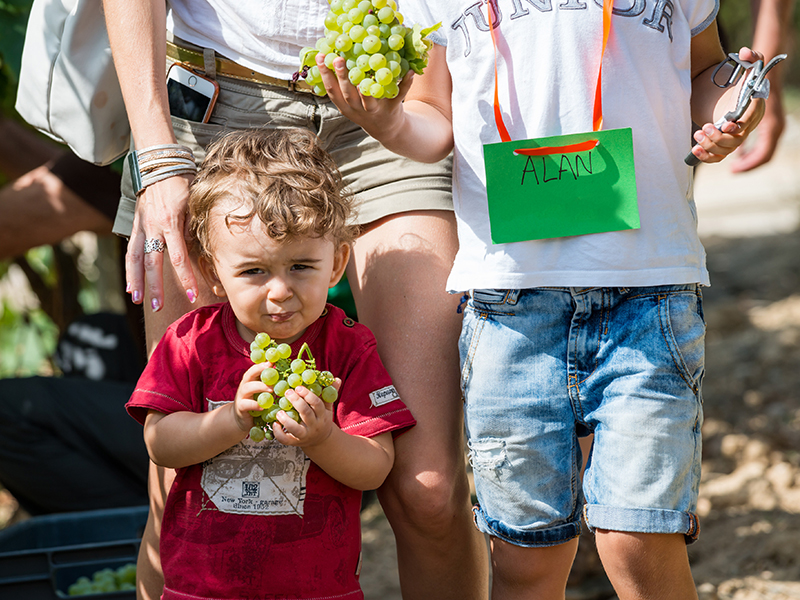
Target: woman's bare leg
[
  {"x": 149, "y": 576},
  {"x": 398, "y": 274}
]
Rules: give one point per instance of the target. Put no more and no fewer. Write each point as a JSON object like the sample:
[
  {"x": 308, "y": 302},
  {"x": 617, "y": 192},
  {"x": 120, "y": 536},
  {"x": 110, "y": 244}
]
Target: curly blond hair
[{"x": 290, "y": 182}]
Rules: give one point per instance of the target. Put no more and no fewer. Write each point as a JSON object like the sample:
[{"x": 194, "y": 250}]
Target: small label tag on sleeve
[{"x": 384, "y": 396}]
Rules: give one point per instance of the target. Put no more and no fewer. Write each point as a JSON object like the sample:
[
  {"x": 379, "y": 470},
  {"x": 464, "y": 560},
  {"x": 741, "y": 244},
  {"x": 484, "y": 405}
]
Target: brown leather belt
[{"x": 228, "y": 68}]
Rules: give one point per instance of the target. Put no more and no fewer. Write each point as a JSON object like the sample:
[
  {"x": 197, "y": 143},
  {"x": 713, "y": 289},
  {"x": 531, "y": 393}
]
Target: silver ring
[{"x": 154, "y": 245}]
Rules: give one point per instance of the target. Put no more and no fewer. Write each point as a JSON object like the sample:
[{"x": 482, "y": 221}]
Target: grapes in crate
[
  {"x": 377, "y": 47},
  {"x": 105, "y": 580},
  {"x": 284, "y": 374}
]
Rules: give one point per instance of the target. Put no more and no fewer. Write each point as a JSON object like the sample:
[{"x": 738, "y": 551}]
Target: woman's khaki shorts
[{"x": 384, "y": 183}]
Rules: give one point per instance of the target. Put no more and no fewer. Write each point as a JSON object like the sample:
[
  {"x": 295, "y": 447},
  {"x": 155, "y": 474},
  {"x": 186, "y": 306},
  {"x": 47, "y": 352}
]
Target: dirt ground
[{"x": 749, "y": 547}]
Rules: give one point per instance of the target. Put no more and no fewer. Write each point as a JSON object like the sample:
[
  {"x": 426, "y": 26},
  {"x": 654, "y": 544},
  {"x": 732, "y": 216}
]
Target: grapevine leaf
[
  {"x": 418, "y": 65},
  {"x": 283, "y": 366},
  {"x": 428, "y": 30},
  {"x": 11, "y": 41},
  {"x": 417, "y": 45}
]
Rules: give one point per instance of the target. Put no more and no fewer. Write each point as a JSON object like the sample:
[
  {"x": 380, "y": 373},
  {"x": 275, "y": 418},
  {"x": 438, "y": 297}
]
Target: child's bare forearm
[
  {"x": 424, "y": 134},
  {"x": 359, "y": 462},
  {"x": 705, "y": 99},
  {"x": 706, "y": 55},
  {"x": 416, "y": 124},
  {"x": 186, "y": 438},
  {"x": 719, "y": 134},
  {"x": 709, "y": 101}
]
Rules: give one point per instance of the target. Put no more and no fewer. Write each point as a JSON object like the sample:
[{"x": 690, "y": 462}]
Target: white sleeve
[
  {"x": 419, "y": 11},
  {"x": 700, "y": 14}
]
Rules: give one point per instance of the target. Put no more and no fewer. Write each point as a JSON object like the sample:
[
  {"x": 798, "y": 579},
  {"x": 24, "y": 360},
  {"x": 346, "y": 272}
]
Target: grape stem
[{"x": 311, "y": 361}]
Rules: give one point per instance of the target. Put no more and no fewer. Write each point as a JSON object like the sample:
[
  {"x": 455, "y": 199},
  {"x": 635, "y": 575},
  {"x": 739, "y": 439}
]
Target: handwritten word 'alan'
[{"x": 538, "y": 166}]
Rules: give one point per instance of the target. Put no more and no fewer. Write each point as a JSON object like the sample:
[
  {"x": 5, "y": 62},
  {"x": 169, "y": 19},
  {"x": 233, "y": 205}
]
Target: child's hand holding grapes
[
  {"x": 316, "y": 419},
  {"x": 244, "y": 403}
]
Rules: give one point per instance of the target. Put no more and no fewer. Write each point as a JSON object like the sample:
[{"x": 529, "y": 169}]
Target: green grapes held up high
[
  {"x": 377, "y": 47},
  {"x": 285, "y": 373}
]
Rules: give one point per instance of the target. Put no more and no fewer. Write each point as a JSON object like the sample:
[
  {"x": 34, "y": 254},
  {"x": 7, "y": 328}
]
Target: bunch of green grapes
[
  {"x": 378, "y": 49},
  {"x": 284, "y": 374},
  {"x": 105, "y": 580}
]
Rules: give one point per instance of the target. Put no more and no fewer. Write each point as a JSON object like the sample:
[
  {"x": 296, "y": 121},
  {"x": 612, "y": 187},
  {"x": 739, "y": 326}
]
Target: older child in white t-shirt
[{"x": 580, "y": 324}]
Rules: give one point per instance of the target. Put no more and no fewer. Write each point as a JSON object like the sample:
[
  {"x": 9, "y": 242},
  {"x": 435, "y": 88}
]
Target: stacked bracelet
[{"x": 157, "y": 163}]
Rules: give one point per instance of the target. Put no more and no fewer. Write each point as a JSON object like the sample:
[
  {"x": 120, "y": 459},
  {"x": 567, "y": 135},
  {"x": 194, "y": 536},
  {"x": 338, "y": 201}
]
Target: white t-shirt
[
  {"x": 548, "y": 58},
  {"x": 264, "y": 36}
]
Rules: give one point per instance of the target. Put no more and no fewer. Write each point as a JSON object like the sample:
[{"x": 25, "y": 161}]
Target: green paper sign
[{"x": 561, "y": 186}]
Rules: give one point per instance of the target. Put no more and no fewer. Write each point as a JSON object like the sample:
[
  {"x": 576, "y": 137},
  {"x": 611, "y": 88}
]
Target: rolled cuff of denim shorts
[
  {"x": 543, "y": 537},
  {"x": 642, "y": 520}
]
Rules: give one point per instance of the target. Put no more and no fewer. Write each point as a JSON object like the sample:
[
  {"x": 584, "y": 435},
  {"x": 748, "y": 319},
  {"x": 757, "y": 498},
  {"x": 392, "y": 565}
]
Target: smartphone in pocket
[{"x": 191, "y": 95}]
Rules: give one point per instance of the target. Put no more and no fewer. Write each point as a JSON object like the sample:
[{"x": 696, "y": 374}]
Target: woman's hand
[{"x": 160, "y": 217}]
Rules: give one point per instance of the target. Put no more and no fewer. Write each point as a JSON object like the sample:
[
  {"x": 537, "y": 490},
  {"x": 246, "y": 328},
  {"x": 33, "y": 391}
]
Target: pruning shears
[{"x": 756, "y": 85}]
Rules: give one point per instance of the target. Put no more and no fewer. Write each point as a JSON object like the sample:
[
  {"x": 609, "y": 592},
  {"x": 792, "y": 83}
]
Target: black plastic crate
[{"x": 42, "y": 556}]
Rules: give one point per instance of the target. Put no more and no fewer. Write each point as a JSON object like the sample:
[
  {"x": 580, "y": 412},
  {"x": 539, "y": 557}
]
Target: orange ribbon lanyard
[{"x": 597, "y": 116}]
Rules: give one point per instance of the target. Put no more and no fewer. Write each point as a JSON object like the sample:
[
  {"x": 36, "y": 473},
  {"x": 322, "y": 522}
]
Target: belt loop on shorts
[
  {"x": 209, "y": 63},
  {"x": 512, "y": 297}
]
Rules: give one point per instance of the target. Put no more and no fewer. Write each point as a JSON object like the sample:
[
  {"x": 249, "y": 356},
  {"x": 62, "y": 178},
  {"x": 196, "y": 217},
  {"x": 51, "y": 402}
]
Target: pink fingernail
[
  {"x": 127, "y": 288},
  {"x": 155, "y": 304},
  {"x": 708, "y": 129},
  {"x": 137, "y": 296},
  {"x": 191, "y": 295}
]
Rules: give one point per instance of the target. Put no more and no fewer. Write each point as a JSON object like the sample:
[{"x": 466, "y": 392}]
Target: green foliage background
[
  {"x": 27, "y": 338},
  {"x": 13, "y": 19}
]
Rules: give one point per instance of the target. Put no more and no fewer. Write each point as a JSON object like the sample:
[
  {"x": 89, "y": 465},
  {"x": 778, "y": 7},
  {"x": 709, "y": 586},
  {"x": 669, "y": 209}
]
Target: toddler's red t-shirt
[{"x": 261, "y": 520}]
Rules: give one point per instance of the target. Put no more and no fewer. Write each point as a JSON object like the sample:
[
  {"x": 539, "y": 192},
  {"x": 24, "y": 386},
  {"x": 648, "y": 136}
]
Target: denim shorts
[
  {"x": 542, "y": 367},
  {"x": 384, "y": 183}
]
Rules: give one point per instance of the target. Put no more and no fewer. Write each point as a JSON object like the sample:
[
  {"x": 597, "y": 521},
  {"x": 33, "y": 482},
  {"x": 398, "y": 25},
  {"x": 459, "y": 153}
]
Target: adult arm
[
  {"x": 772, "y": 26},
  {"x": 21, "y": 150},
  {"x": 137, "y": 32},
  {"x": 416, "y": 124},
  {"x": 709, "y": 102},
  {"x": 37, "y": 207}
]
